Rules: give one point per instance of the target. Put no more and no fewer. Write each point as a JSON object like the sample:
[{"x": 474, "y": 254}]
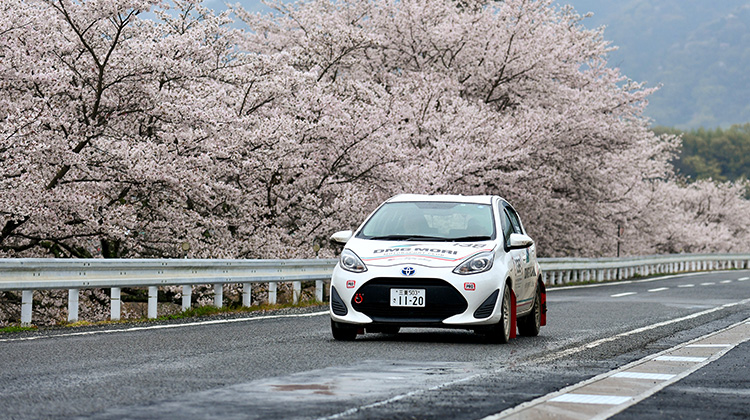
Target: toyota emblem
[{"x": 407, "y": 271}]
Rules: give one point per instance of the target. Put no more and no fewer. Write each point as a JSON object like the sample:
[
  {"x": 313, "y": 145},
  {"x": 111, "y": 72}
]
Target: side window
[
  {"x": 514, "y": 220},
  {"x": 506, "y": 224}
]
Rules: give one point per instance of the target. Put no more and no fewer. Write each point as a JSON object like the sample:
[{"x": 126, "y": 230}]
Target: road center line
[
  {"x": 601, "y": 341},
  {"x": 623, "y": 294},
  {"x": 588, "y": 399},
  {"x": 686, "y": 285},
  {"x": 658, "y": 289},
  {"x": 565, "y": 353}
]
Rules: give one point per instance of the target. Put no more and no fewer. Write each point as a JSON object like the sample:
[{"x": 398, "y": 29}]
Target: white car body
[{"x": 419, "y": 274}]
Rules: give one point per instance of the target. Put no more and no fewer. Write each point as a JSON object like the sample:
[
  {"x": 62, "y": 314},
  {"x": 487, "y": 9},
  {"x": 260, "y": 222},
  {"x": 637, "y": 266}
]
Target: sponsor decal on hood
[{"x": 433, "y": 254}]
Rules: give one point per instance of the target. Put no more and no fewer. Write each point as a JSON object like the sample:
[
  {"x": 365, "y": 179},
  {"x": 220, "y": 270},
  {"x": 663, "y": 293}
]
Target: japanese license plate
[{"x": 408, "y": 297}]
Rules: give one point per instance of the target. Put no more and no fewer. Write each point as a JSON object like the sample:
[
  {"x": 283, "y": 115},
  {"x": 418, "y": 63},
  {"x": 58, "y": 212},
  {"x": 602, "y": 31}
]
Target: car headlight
[
  {"x": 476, "y": 264},
  {"x": 351, "y": 262}
]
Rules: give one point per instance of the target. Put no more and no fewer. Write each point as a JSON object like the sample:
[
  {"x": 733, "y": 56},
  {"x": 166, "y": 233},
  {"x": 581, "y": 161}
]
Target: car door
[
  {"x": 526, "y": 257},
  {"x": 514, "y": 257}
]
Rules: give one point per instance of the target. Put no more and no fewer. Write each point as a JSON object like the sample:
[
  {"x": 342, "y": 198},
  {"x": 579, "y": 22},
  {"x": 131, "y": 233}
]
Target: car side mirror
[
  {"x": 519, "y": 241},
  {"x": 342, "y": 237}
]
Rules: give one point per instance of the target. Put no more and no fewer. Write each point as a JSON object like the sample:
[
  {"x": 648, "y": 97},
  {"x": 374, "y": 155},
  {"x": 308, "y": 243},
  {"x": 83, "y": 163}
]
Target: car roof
[{"x": 474, "y": 199}]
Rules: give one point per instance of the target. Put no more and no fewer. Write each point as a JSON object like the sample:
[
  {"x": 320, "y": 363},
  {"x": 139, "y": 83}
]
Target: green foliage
[
  {"x": 718, "y": 154},
  {"x": 15, "y": 329}
]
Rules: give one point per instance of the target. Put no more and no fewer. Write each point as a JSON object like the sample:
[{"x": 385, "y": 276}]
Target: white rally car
[{"x": 438, "y": 261}]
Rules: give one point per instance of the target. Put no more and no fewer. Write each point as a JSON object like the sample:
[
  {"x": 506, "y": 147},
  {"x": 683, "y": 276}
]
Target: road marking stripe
[
  {"x": 591, "y": 399},
  {"x": 538, "y": 407},
  {"x": 726, "y": 281},
  {"x": 709, "y": 283},
  {"x": 624, "y": 294},
  {"x": 743, "y": 278},
  {"x": 681, "y": 359},
  {"x": 599, "y": 342},
  {"x": 686, "y": 285},
  {"x": 168, "y": 326},
  {"x": 642, "y": 375},
  {"x": 562, "y": 354},
  {"x": 658, "y": 289},
  {"x": 709, "y": 345}
]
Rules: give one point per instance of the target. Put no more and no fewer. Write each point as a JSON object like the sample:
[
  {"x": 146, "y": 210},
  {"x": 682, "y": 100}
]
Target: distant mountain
[{"x": 698, "y": 50}]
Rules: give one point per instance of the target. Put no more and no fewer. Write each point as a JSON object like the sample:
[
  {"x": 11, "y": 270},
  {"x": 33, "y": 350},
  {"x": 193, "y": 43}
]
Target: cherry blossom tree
[{"x": 182, "y": 136}]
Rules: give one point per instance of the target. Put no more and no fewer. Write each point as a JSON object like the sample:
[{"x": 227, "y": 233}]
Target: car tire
[
  {"x": 343, "y": 332},
  {"x": 500, "y": 332},
  {"x": 530, "y": 324}
]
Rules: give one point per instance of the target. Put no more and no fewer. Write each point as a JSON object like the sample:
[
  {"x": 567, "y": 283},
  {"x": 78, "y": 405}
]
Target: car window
[
  {"x": 507, "y": 226},
  {"x": 514, "y": 220},
  {"x": 430, "y": 220}
]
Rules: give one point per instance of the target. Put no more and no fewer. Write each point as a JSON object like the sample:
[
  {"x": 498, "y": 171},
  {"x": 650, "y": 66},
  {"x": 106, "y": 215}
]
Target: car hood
[{"x": 431, "y": 254}]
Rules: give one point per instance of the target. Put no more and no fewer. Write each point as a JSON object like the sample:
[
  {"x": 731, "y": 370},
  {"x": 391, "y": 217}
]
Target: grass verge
[
  {"x": 208, "y": 310},
  {"x": 15, "y": 329}
]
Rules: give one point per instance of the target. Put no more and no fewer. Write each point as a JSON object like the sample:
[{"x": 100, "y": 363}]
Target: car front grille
[{"x": 441, "y": 301}]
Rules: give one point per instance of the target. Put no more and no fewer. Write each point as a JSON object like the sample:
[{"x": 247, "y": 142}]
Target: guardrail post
[
  {"x": 319, "y": 284},
  {"x": 296, "y": 291},
  {"x": 187, "y": 297},
  {"x": 114, "y": 304},
  {"x": 153, "y": 294},
  {"x": 219, "y": 295},
  {"x": 72, "y": 305},
  {"x": 26, "y": 303},
  {"x": 247, "y": 294},
  {"x": 272, "y": 293}
]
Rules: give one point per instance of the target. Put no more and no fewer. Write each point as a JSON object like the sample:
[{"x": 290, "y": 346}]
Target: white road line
[
  {"x": 708, "y": 345},
  {"x": 169, "y": 326},
  {"x": 591, "y": 399},
  {"x": 743, "y": 278},
  {"x": 539, "y": 408},
  {"x": 686, "y": 285},
  {"x": 599, "y": 342},
  {"x": 709, "y": 283},
  {"x": 681, "y": 359},
  {"x": 641, "y": 375},
  {"x": 559, "y": 355},
  {"x": 648, "y": 280},
  {"x": 726, "y": 281},
  {"x": 623, "y": 294},
  {"x": 658, "y": 289}
]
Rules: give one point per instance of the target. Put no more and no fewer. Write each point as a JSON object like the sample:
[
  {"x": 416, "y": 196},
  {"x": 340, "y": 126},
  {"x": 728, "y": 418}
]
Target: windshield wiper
[
  {"x": 471, "y": 238},
  {"x": 409, "y": 238}
]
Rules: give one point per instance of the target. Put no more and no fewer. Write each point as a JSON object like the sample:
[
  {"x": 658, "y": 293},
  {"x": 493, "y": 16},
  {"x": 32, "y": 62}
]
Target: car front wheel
[{"x": 500, "y": 332}]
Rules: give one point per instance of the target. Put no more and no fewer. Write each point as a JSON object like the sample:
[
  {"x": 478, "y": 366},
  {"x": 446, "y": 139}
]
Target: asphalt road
[{"x": 288, "y": 366}]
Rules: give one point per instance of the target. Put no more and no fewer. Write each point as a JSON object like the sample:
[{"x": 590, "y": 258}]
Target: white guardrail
[{"x": 29, "y": 274}]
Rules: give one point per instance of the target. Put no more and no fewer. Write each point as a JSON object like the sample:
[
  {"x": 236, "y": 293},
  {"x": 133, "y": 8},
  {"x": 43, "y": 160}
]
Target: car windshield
[{"x": 430, "y": 221}]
